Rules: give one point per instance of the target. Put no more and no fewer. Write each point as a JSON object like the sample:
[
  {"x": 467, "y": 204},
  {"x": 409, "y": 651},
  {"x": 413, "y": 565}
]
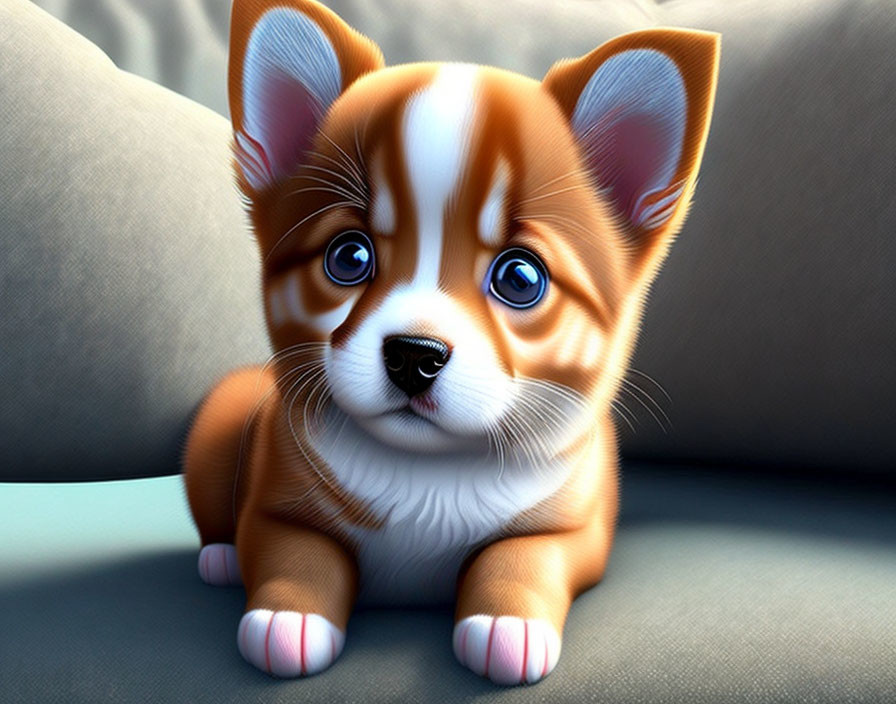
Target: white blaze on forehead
[
  {"x": 491, "y": 217},
  {"x": 436, "y": 132},
  {"x": 285, "y": 305}
]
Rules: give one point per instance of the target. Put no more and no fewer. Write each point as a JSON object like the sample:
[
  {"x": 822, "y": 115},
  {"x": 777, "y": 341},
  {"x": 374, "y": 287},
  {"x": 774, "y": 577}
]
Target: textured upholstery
[
  {"x": 123, "y": 247},
  {"x": 723, "y": 587}
]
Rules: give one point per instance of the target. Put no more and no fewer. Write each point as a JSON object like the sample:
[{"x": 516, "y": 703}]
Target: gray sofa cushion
[
  {"x": 128, "y": 276},
  {"x": 722, "y": 588},
  {"x": 772, "y": 327}
]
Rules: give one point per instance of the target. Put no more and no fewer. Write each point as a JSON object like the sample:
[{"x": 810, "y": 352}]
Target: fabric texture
[
  {"x": 128, "y": 274},
  {"x": 773, "y": 325},
  {"x": 723, "y": 587}
]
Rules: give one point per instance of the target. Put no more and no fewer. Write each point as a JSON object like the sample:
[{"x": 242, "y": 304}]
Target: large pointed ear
[
  {"x": 289, "y": 61},
  {"x": 639, "y": 107}
]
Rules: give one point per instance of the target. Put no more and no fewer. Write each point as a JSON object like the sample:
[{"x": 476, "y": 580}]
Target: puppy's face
[{"x": 461, "y": 250}]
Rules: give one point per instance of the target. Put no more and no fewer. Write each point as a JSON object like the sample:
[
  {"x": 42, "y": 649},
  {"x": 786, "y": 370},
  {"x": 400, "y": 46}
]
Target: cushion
[
  {"x": 769, "y": 335},
  {"x": 123, "y": 246},
  {"x": 722, "y": 587}
]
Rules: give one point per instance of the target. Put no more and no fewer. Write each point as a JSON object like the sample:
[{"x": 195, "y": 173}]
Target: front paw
[
  {"x": 218, "y": 565},
  {"x": 507, "y": 649},
  {"x": 287, "y": 643}
]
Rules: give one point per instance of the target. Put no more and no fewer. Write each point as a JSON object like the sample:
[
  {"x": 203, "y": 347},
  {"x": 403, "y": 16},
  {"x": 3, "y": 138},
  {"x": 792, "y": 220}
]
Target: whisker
[
  {"x": 536, "y": 423},
  {"x": 569, "y": 174},
  {"x": 517, "y": 430},
  {"x": 627, "y": 385},
  {"x": 353, "y": 175},
  {"x": 349, "y": 182},
  {"x": 343, "y": 191},
  {"x": 319, "y": 385},
  {"x": 495, "y": 436},
  {"x": 614, "y": 404},
  {"x": 319, "y": 211},
  {"x": 299, "y": 443},
  {"x": 549, "y": 195},
  {"x": 653, "y": 381},
  {"x": 358, "y": 152},
  {"x": 634, "y": 397},
  {"x": 352, "y": 166}
]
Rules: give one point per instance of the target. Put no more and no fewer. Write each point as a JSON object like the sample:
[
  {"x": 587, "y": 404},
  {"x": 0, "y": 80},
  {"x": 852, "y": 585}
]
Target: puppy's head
[{"x": 457, "y": 254}]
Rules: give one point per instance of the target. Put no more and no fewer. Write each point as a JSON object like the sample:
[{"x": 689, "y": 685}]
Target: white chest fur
[{"x": 436, "y": 509}]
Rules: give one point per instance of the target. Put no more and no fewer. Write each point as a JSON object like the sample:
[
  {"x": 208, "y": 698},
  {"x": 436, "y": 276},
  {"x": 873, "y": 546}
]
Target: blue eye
[
  {"x": 349, "y": 258},
  {"x": 518, "y": 278}
]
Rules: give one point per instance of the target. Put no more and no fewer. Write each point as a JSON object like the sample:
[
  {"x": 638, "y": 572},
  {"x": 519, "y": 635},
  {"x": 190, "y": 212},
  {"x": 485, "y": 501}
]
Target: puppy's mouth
[
  {"x": 417, "y": 407},
  {"x": 412, "y": 426},
  {"x": 423, "y": 406}
]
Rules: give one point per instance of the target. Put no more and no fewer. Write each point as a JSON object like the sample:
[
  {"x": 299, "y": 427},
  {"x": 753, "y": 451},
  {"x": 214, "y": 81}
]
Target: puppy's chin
[{"x": 405, "y": 430}]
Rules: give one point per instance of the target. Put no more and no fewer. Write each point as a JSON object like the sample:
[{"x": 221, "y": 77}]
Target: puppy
[{"x": 454, "y": 260}]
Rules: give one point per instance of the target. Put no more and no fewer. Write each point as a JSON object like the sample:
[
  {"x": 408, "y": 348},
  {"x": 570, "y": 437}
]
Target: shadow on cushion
[{"x": 721, "y": 588}]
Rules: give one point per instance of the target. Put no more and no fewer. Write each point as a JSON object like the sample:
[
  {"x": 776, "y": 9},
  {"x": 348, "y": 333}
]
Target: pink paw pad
[
  {"x": 287, "y": 643},
  {"x": 507, "y": 649},
  {"x": 218, "y": 565}
]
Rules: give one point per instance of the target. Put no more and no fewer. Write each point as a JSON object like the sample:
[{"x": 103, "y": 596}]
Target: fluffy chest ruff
[{"x": 434, "y": 510}]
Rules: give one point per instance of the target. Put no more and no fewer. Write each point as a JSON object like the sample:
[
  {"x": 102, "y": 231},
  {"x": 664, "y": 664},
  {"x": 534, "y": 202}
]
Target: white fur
[
  {"x": 491, "y": 217},
  {"x": 218, "y": 565},
  {"x": 285, "y": 304},
  {"x": 429, "y": 477},
  {"x": 281, "y": 642},
  {"x": 472, "y": 391},
  {"x": 436, "y": 132},
  {"x": 496, "y": 647},
  {"x": 436, "y": 508}
]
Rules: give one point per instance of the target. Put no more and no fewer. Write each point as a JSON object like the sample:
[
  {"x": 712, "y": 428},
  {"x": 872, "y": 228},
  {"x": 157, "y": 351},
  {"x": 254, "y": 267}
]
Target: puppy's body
[{"x": 454, "y": 261}]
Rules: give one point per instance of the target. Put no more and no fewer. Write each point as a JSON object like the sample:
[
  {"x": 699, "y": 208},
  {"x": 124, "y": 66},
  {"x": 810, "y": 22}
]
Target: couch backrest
[
  {"x": 772, "y": 327},
  {"x": 128, "y": 276}
]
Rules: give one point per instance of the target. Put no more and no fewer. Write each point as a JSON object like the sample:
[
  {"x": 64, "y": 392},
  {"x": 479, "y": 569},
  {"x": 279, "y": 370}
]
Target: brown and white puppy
[{"x": 454, "y": 263}]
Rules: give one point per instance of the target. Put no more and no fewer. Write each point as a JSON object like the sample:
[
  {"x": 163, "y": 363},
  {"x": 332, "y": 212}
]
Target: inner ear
[
  {"x": 289, "y": 62},
  {"x": 290, "y": 78},
  {"x": 630, "y": 122},
  {"x": 639, "y": 108}
]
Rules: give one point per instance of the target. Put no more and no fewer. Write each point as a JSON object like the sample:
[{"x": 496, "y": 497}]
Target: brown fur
[{"x": 252, "y": 482}]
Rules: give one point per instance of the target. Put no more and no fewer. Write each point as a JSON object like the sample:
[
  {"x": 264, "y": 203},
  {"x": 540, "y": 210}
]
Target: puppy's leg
[
  {"x": 514, "y": 597},
  {"x": 300, "y": 587},
  {"x": 217, "y": 447}
]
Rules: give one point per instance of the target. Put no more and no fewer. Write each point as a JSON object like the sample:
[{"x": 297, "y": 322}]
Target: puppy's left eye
[
  {"x": 518, "y": 278},
  {"x": 349, "y": 258}
]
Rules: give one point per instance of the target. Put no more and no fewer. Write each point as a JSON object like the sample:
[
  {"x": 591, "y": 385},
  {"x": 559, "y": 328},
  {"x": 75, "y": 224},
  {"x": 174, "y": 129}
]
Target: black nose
[{"x": 413, "y": 363}]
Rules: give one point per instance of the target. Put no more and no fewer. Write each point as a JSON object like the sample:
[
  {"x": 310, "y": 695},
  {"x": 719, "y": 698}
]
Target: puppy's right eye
[{"x": 349, "y": 259}]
